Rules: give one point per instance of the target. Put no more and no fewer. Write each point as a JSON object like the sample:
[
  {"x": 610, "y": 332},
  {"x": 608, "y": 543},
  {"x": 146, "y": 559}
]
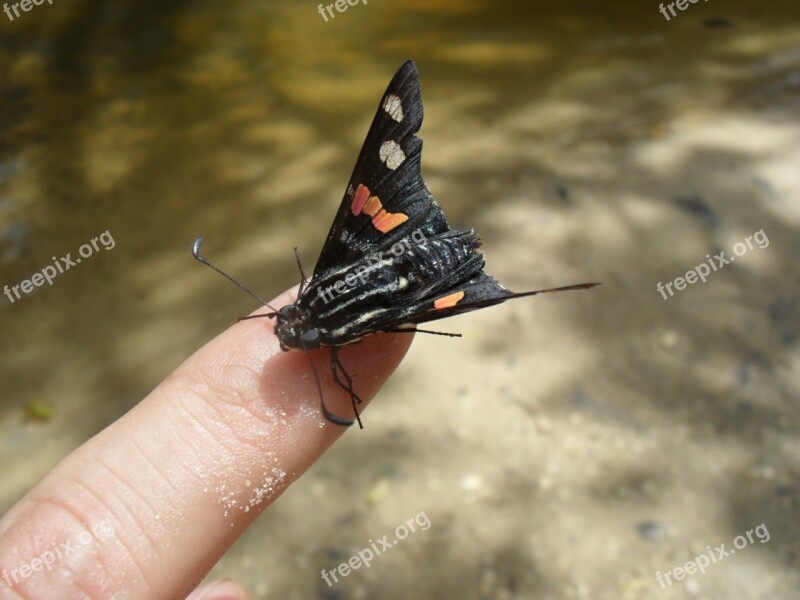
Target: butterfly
[{"x": 391, "y": 261}]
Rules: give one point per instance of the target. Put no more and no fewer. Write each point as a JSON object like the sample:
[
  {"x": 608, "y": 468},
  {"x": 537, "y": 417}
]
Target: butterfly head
[{"x": 293, "y": 330}]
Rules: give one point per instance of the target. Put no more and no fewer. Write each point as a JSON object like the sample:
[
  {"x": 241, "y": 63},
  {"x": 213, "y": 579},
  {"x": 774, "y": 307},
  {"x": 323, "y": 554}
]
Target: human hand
[{"x": 146, "y": 507}]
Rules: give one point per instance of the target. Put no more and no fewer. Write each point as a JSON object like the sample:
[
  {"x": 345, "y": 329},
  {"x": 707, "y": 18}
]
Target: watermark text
[
  {"x": 60, "y": 265},
  {"x": 47, "y": 559},
  {"x": 718, "y": 261},
  {"x": 339, "y": 5},
  {"x": 681, "y": 4},
  {"x": 714, "y": 555},
  {"x": 25, "y": 5},
  {"x": 370, "y": 263},
  {"x": 364, "y": 556}
]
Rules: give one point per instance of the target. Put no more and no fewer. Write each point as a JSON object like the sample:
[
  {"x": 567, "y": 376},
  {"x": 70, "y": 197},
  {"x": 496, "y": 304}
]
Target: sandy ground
[{"x": 568, "y": 446}]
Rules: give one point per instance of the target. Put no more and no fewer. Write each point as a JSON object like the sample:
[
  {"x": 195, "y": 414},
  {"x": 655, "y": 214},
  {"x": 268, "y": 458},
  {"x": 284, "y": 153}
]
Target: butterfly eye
[{"x": 310, "y": 338}]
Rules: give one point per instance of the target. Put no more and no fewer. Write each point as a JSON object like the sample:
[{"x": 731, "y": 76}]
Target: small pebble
[
  {"x": 651, "y": 531},
  {"x": 669, "y": 340},
  {"x": 471, "y": 482},
  {"x": 39, "y": 411}
]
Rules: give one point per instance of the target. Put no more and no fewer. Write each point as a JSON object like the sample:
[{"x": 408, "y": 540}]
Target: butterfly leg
[
  {"x": 335, "y": 418},
  {"x": 347, "y": 385},
  {"x": 328, "y": 414}
]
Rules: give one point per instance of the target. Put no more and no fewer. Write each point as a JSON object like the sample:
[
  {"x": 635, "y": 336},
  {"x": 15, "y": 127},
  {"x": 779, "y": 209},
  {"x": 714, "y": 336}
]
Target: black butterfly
[{"x": 391, "y": 261}]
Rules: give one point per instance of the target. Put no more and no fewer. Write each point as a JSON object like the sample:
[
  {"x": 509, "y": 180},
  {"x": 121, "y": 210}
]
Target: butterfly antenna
[
  {"x": 303, "y": 279},
  {"x": 202, "y": 259}
]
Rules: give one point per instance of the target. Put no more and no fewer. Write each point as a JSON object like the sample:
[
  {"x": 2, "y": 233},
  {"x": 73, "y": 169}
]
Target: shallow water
[{"x": 562, "y": 449}]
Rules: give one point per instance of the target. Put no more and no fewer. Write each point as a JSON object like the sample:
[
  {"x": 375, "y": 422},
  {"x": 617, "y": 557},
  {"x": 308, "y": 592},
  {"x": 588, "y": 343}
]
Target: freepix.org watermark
[
  {"x": 60, "y": 265},
  {"x": 340, "y": 5},
  {"x": 364, "y": 556},
  {"x": 703, "y": 270},
  {"x": 681, "y": 4},
  {"x": 370, "y": 263},
  {"x": 25, "y": 5},
  {"x": 703, "y": 561},
  {"x": 48, "y": 559}
]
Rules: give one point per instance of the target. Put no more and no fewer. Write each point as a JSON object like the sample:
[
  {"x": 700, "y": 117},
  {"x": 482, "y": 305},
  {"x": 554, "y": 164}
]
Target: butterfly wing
[
  {"x": 479, "y": 292},
  {"x": 451, "y": 299},
  {"x": 386, "y": 197}
]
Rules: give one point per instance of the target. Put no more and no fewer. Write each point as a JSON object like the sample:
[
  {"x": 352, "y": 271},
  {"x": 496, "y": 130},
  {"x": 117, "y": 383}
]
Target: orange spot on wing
[
  {"x": 386, "y": 221},
  {"x": 382, "y": 220},
  {"x": 372, "y": 206},
  {"x": 448, "y": 301},
  {"x": 359, "y": 199}
]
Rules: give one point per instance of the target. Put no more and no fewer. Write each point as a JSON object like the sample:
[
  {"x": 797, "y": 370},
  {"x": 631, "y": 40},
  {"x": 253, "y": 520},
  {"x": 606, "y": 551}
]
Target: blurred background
[{"x": 569, "y": 446}]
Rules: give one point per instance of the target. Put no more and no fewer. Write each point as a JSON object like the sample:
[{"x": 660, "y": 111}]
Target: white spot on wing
[
  {"x": 392, "y": 154},
  {"x": 394, "y": 107}
]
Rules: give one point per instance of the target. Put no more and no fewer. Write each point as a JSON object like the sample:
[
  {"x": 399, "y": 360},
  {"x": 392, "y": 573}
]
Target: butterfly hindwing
[
  {"x": 479, "y": 291},
  {"x": 386, "y": 197}
]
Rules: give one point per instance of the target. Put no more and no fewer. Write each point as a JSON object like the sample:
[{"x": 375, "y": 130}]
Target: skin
[{"x": 163, "y": 473}]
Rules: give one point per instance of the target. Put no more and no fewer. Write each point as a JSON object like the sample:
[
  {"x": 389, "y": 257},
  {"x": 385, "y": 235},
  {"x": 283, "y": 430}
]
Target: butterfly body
[
  {"x": 389, "y": 288},
  {"x": 390, "y": 261}
]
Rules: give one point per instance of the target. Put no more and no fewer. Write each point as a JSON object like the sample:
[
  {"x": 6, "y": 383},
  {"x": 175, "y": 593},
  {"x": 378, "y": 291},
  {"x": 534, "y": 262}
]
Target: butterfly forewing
[{"x": 386, "y": 196}]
